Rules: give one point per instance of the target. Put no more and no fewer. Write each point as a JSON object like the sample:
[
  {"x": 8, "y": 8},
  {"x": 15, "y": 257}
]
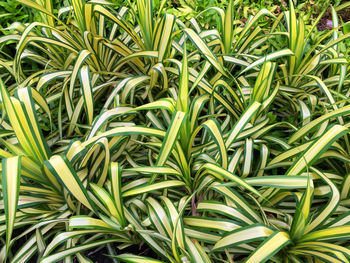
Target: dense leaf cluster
[{"x": 200, "y": 144}]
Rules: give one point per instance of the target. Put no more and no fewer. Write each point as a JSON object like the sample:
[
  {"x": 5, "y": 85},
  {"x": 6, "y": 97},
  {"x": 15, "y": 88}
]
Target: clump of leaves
[{"x": 202, "y": 145}]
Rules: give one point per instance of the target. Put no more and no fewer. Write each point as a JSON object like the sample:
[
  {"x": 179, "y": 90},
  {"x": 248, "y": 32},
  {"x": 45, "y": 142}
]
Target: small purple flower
[{"x": 329, "y": 24}]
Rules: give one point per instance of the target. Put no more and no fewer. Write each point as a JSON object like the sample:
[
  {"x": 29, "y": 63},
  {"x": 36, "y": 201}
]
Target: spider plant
[{"x": 199, "y": 145}]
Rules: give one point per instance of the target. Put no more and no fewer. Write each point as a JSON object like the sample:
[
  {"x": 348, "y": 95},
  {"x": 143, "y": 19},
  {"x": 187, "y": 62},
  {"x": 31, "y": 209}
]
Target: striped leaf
[{"x": 10, "y": 180}]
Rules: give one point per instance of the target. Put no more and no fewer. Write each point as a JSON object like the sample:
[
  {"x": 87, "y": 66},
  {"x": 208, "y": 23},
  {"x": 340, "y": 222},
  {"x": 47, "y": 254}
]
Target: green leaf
[
  {"x": 11, "y": 168},
  {"x": 130, "y": 258}
]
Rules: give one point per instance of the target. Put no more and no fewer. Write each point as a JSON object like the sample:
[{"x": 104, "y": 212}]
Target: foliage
[
  {"x": 11, "y": 11},
  {"x": 187, "y": 9},
  {"x": 130, "y": 127}
]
